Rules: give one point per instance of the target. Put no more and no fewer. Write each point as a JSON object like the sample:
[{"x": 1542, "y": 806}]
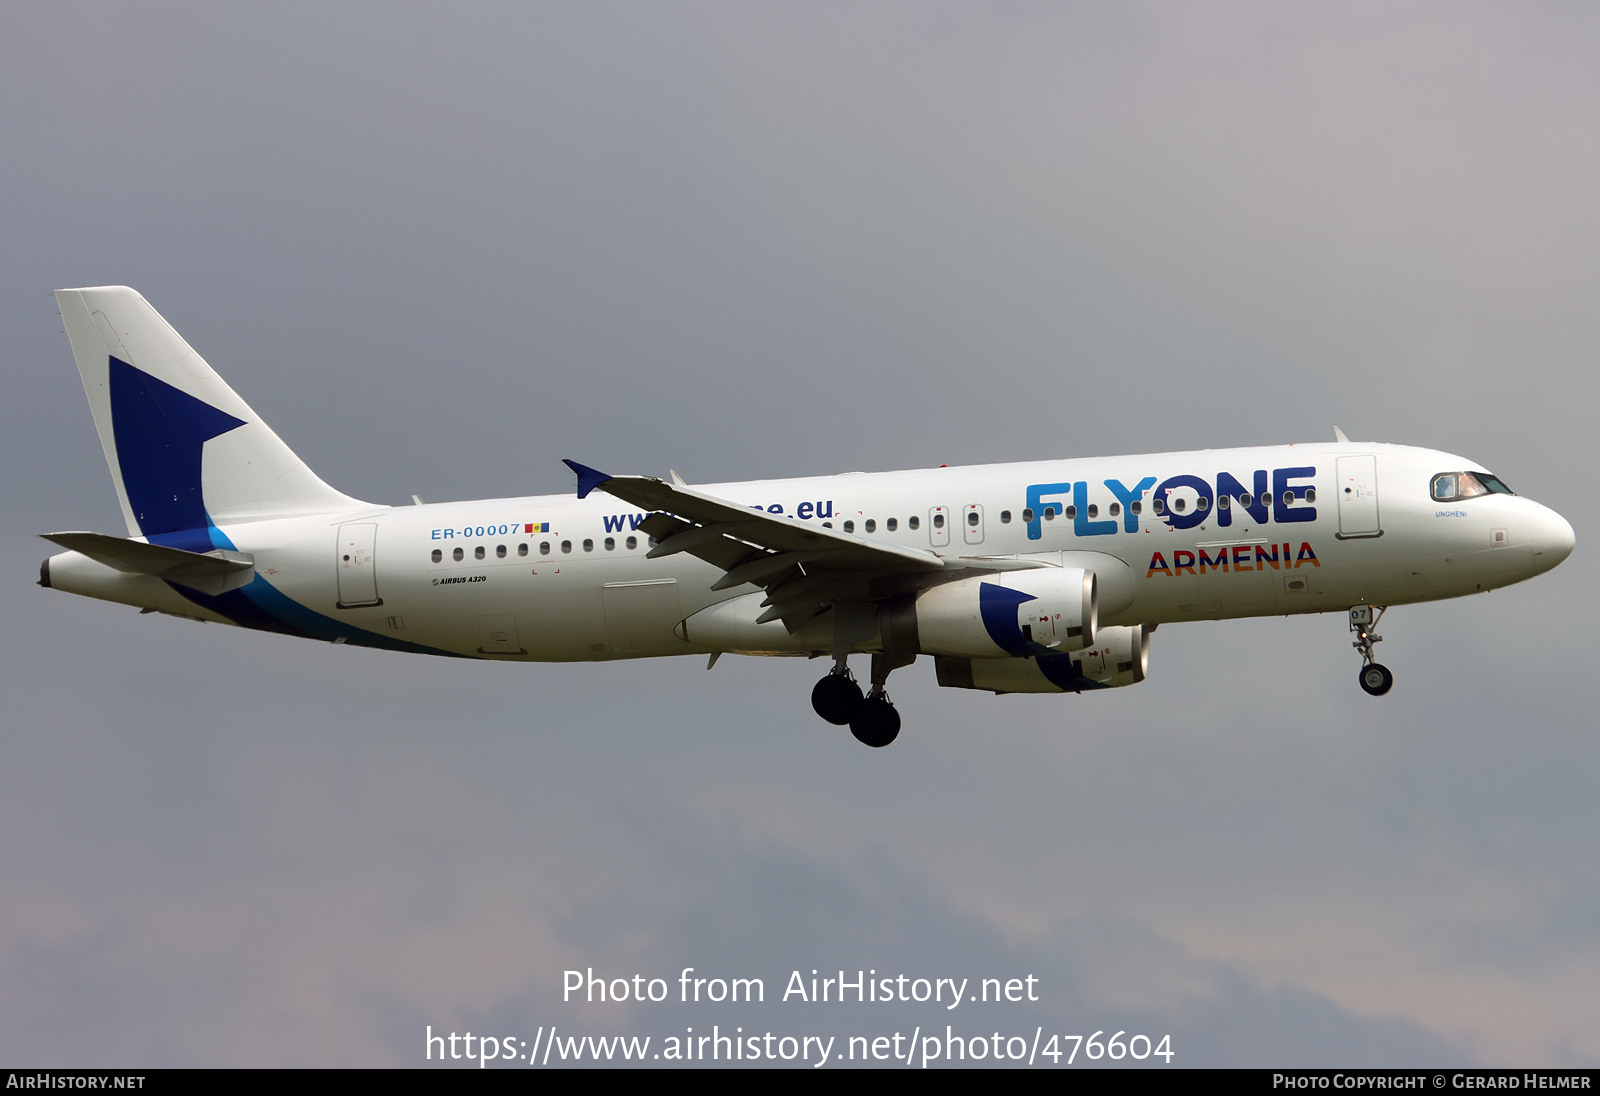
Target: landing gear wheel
[
  {"x": 836, "y": 698},
  {"x": 876, "y": 723},
  {"x": 1376, "y": 679}
]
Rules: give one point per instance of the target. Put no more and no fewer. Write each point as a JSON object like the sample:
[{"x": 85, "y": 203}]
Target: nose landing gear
[{"x": 1375, "y": 678}]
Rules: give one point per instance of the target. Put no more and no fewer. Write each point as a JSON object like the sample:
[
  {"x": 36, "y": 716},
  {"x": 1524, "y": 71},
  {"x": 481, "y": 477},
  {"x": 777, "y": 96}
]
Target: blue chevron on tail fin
[{"x": 185, "y": 452}]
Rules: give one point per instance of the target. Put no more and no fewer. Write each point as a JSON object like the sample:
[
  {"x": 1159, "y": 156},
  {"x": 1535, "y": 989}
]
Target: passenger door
[{"x": 358, "y": 565}]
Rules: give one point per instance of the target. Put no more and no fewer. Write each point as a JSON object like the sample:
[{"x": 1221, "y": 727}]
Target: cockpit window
[{"x": 1451, "y": 486}]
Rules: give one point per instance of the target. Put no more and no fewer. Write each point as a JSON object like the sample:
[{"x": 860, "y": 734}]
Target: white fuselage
[{"x": 555, "y": 578}]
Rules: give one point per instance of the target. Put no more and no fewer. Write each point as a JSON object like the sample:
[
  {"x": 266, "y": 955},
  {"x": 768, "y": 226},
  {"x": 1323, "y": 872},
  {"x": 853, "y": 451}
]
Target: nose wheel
[{"x": 1375, "y": 678}]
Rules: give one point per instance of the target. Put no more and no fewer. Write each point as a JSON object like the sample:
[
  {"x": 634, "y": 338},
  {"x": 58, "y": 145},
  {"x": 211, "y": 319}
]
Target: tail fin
[{"x": 185, "y": 451}]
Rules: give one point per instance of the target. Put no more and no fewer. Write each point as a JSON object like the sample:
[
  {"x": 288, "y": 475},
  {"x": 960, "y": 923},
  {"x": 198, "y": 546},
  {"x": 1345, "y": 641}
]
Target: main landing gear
[
  {"x": 837, "y": 696},
  {"x": 872, "y": 718},
  {"x": 1375, "y": 678}
]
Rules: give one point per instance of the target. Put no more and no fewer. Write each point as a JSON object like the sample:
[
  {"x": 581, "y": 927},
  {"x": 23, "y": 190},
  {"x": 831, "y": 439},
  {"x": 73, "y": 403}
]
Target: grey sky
[{"x": 440, "y": 249}]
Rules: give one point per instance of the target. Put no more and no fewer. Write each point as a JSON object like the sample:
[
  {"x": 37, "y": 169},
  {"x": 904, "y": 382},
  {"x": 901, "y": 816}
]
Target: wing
[{"x": 804, "y": 568}]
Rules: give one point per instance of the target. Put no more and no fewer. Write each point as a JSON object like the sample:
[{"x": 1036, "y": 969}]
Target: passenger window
[
  {"x": 914, "y": 522},
  {"x": 938, "y": 521},
  {"x": 588, "y": 545},
  {"x": 500, "y": 551},
  {"x": 1049, "y": 513},
  {"x": 611, "y": 544},
  {"x": 1222, "y": 502},
  {"x": 849, "y": 526},
  {"x": 1138, "y": 507},
  {"x": 1202, "y": 504},
  {"x": 1288, "y": 498},
  {"x": 1157, "y": 505},
  {"x": 478, "y": 552},
  {"x": 632, "y": 542},
  {"x": 566, "y": 546},
  {"x": 1177, "y": 506},
  {"x": 544, "y": 547},
  {"x": 1005, "y": 517},
  {"x": 457, "y": 555},
  {"x": 1094, "y": 510},
  {"x": 1311, "y": 494},
  {"x": 892, "y": 524},
  {"x": 1070, "y": 512},
  {"x": 972, "y": 518},
  {"x": 522, "y": 549},
  {"x": 437, "y": 555},
  {"x": 872, "y": 525},
  {"x": 1027, "y": 515}
]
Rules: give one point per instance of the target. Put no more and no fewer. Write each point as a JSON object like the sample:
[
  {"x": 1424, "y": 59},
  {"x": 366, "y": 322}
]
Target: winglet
[
  {"x": 1338, "y": 435},
  {"x": 588, "y": 478}
]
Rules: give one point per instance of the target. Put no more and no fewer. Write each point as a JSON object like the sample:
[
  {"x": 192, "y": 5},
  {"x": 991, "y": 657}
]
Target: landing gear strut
[
  {"x": 1375, "y": 678},
  {"x": 876, "y": 723}
]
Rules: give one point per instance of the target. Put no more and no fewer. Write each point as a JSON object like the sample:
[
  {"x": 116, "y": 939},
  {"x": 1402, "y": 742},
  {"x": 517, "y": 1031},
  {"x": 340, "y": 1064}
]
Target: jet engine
[
  {"x": 1014, "y": 613},
  {"x": 1120, "y": 656}
]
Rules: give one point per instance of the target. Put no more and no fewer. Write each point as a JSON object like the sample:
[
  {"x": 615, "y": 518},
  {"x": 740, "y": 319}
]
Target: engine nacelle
[
  {"x": 1120, "y": 656},
  {"x": 1015, "y": 613}
]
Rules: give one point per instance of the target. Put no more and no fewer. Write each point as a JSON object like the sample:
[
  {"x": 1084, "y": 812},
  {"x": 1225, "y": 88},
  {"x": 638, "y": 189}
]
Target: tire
[
  {"x": 1376, "y": 679},
  {"x": 836, "y": 698},
  {"x": 875, "y": 724}
]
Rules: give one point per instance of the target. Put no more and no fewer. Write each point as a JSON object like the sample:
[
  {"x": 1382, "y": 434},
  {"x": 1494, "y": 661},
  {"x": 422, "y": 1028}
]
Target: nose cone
[{"x": 1552, "y": 539}]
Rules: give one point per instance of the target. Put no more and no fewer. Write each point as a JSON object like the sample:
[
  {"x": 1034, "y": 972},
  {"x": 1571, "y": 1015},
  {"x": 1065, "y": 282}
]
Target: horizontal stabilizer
[{"x": 210, "y": 572}]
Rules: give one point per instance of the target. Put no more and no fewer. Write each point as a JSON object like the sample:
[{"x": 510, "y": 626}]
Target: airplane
[{"x": 1039, "y": 577}]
